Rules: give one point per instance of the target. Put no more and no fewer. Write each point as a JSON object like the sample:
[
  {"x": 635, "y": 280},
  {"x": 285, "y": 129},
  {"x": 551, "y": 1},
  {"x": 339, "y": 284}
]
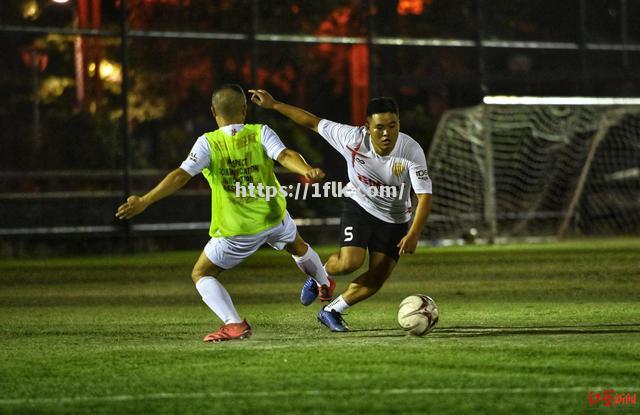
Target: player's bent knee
[
  {"x": 298, "y": 247},
  {"x": 199, "y": 272},
  {"x": 196, "y": 275}
]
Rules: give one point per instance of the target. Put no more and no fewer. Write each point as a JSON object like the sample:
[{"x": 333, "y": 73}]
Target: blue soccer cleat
[
  {"x": 311, "y": 290},
  {"x": 332, "y": 319}
]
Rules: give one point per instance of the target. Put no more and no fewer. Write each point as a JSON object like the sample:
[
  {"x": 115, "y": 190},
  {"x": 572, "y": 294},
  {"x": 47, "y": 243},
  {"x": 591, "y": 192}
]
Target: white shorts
[{"x": 229, "y": 252}]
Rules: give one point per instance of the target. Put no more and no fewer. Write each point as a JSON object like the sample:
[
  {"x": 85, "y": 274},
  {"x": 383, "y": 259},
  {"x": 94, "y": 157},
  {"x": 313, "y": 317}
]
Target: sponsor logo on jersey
[
  {"x": 193, "y": 157},
  {"x": 354, "y": 153},
  {"x": 369, "y": 182},
  {"x": 397, "y": 168},
  {"x": 423, "y": 174}
]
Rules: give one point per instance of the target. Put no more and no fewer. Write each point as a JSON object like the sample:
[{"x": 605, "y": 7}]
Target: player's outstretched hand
[
  {"x": 134, "y": 206},
  {"x": 262, "y": 98},
  {"x": 408, "y": 244},
  {"x": 315, "y": 174}
]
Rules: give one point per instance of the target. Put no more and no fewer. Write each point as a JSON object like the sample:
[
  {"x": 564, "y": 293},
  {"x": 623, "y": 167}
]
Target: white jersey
[
  {"x": 200, "y": 156},
  {"x": 373, "y": 178}
]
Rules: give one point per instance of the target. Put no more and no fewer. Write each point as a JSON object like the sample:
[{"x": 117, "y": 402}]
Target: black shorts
[{"x": 360, "y": 228}]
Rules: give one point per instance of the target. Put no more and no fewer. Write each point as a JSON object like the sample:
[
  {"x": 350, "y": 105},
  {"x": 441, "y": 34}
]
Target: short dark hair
[
  {"x": 228, "y": 100},
  {"x": 381, "y": 105},
  {"x": 234, "y": 87}
]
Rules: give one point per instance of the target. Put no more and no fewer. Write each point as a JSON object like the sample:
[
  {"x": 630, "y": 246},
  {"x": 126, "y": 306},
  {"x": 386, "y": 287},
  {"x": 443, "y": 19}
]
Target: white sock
[
  {"x": 310, "y": 264},
  {"x": 338, "y": 305},
  {"x": 216, "y": 297}
]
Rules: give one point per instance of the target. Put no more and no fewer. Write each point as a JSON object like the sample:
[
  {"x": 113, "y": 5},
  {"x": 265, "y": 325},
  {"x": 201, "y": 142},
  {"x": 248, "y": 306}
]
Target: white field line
[{"x": 269, "y": 394}]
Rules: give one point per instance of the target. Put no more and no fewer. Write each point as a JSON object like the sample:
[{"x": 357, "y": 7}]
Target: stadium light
[
  {"x": 31, "y": 10},
  {"x": 61, "y": 1},
  {"x": 110, "y": 71}
]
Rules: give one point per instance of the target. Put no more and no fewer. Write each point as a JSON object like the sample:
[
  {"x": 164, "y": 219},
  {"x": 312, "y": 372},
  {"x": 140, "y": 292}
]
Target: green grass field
[{"x": 524, "y": 329}]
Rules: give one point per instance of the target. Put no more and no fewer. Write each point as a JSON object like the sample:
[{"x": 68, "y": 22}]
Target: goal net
[{"x": 527, "y": 166}]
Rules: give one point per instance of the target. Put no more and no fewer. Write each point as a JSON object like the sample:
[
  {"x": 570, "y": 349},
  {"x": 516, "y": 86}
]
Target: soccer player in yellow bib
[{"x": 237, "y": 161}]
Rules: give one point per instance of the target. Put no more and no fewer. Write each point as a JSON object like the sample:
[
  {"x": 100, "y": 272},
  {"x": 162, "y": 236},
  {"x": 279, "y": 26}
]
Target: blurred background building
[{"x": 100, "y": 98}]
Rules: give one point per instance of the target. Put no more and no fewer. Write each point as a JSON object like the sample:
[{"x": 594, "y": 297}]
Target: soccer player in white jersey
[
  {"x": 238, "y": 154},
  {"x": 379, "y": 159}
]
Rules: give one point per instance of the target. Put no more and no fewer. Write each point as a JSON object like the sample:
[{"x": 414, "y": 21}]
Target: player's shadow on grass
[
  {"x": 479, "y": 331},
  {"x": 379, "y": 332}
]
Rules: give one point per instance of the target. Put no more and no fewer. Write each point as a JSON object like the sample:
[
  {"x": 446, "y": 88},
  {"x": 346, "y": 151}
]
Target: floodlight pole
[
  {"x": 253, "y": 30},
  {"x": 35, "y": 76},
  {"x": 373, "y": 80},
  {"x": 480, "y": 53},
  {"x": 624, "y": 35},
  {"x": 489, "y": 185},
  {"x": 124, "y": 120},
  {"x": 489, "y": 180},
  {"x": 584, "y": 62}
]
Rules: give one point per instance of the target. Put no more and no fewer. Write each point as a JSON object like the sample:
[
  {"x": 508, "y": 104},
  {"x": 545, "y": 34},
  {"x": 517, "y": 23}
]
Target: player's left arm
[
  {"x": 421, "y": 183},
  {"x": 169, "y": 185},
  {"x": 294, "y": 162},
  {"x": 408, "y": 244}
]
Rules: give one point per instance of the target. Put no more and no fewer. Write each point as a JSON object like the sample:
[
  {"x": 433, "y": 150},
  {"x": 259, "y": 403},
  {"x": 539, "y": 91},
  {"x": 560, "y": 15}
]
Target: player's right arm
[
  {"x": 288, "y": 158},
  {"x": 294, "y": 162},
  {"x": 169, "y": 185},
  {"x": 264, "y": 99}
]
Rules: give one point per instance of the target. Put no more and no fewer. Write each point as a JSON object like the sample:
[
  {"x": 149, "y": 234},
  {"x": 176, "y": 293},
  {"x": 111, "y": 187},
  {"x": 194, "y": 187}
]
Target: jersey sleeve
[
  {"x": 338, "y": 135},
  {"x": 418, "y": 172},
  {"x": 272, "y": 144},
  {"x": 199, "y": 158}
]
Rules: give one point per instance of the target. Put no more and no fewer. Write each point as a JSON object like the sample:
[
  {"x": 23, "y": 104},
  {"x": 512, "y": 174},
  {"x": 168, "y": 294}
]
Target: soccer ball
[{"x": 418, "y": 314}]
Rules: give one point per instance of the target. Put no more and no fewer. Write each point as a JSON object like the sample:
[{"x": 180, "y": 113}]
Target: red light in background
[{"x": 414, "y": 7}]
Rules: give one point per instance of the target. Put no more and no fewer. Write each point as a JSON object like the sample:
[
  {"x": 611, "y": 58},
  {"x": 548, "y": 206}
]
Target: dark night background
[{"x": 62, "y": 154}]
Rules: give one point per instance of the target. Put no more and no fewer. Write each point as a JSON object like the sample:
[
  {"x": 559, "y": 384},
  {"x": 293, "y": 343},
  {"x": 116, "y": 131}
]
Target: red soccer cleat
[
  {"x": 325, "y": 293},
  {"x": 232, "y": 331}
]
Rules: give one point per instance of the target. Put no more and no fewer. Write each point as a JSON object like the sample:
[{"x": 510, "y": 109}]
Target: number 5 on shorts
[{"x": 348, "y": 233}]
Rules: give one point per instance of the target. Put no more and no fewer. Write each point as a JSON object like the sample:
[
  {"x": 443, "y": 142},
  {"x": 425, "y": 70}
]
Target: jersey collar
[{"x": 232, "y": 129}]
